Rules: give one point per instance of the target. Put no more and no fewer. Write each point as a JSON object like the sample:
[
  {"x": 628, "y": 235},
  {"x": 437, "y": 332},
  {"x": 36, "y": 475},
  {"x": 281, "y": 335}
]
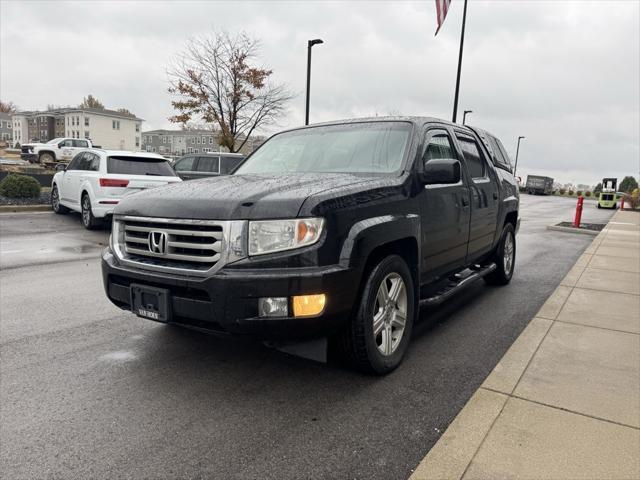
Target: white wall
[
  {"x": 102, "y": 132},
  {"x": 20, "y": 129}
]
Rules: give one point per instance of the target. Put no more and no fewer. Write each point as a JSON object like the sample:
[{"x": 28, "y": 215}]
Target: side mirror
[
  {"x": 441, "y": 171},
  {"x": 61, "y": 167}
]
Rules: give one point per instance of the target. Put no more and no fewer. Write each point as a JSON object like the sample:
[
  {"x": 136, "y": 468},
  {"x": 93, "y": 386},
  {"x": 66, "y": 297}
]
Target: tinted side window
[
  {"x": 185, "y": 164},
  {"x": 66, "y": 143},
  {"x": 438, "y": 146},
  {"x": 209, "y": 164},
  {"x": 505, "y": 155},
  {"x": 93, "y": 162},
  {"x": 80, "y": 143},
  {"x": 73, "y": 165},
  {"x": 229, "y": 164},
  {"x": 473, "y": 157}
]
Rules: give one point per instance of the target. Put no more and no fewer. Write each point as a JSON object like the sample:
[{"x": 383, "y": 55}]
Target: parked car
[
  {"x": 95, "y": 181},
  {"x": 339, "y": 230},
  {"x": 201, "y": 165},
  {"x": 56, "y": 150}
]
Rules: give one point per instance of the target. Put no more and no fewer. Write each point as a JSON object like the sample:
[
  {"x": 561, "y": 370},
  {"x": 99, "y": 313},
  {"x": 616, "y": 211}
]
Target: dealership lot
[{"x": 87, "y": 390}]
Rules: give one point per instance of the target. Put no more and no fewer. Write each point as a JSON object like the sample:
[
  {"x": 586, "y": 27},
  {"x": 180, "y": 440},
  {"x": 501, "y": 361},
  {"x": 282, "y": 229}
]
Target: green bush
[
  {"x": 562, "y": 191},
  {"x": 587, "y": 193},
  {"x": 571, "y": 193},
  {"x": 17, "y": 145},
  {"x": 19, "y": 186}
]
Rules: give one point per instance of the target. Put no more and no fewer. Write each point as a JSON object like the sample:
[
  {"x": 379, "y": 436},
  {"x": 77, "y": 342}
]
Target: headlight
[{"x": 268, "y": 236}]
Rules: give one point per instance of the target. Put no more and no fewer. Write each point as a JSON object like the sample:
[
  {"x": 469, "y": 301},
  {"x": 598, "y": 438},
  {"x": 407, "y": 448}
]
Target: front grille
[
  {"x": 187, "y": 246},
  {"x": 26, "y": 149}
]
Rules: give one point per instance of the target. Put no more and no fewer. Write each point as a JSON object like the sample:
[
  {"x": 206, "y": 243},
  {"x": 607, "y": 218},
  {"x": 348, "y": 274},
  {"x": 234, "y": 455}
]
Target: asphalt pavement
[{"x": 90, "y": 391}]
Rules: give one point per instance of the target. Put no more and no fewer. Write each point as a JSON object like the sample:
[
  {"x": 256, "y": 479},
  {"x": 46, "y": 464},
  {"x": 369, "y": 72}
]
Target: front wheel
[
  {"x": 46, "y": 158},
  {"x": 377, "y": 336},
  {"x": 504, "y": 258},
  {"x": 88, "y": 220},
  {"x": 55, "y": 202}
]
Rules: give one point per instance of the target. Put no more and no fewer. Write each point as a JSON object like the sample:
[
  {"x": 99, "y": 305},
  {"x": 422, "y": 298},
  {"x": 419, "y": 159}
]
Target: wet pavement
[{"x": 90, "y": 391}]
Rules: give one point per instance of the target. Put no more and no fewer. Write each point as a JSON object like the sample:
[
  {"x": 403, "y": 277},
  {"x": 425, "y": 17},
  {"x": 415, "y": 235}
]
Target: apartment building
[
  {"x": 6, "y": 128},
  {"x": 107, "y": 128},
  {"x": 175, "y": 143}
]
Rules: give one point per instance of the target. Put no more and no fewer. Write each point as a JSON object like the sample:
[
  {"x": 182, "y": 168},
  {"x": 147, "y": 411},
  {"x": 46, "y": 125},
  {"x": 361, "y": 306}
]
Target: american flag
[{"x": 442, "y": 7}]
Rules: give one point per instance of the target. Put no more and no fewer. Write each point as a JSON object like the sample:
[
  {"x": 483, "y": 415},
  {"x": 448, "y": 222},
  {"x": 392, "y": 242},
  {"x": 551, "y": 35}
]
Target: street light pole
[
  {"x": 464, "y": 116},
  {"x": 515, "y": 167},
  {"x": 455, "y": 100},
  {"x": 310, "y": 44}
]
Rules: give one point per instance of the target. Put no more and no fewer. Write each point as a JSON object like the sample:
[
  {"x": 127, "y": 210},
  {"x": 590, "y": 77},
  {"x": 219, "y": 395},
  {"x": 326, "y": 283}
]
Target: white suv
[{"x": 95, "y": 180}]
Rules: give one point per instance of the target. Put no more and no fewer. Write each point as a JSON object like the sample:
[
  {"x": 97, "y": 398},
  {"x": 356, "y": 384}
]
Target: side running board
[{"x": 456, "y": 285}]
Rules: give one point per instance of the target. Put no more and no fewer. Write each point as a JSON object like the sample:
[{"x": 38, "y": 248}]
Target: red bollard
[
  {"x": 578, "y": 217},
  {"x": 622, "y": 203}
]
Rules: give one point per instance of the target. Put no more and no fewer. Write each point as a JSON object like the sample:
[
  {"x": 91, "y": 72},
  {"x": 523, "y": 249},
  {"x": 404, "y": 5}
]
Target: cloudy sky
[{"x": 566, "y": 74}]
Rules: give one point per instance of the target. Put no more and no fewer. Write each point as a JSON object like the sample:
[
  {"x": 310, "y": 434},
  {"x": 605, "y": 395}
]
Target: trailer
[{"x": 538, "y": 185}]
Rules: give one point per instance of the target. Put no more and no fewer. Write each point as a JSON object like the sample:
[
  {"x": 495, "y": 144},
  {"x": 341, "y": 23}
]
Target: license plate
[{"x": 150, "y": 302}]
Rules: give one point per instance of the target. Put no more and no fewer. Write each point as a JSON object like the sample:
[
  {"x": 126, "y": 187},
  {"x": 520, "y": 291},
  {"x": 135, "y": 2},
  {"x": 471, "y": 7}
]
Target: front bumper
[
  {"x": 227, "y": 302},
  {"x": 29, "y": 157}
]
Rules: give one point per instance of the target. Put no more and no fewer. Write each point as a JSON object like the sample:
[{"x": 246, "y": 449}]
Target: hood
[
  {"x": 32, "y": 144},
  {"x": 235, "y": 196}
]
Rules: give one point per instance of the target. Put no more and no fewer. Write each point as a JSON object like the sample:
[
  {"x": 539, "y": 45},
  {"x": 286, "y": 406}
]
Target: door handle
[
  {"x": 495, "y": 195},
  {"x": 465, "y": 202}
]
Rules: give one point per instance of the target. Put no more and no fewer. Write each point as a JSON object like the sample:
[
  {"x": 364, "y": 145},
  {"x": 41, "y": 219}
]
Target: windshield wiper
[{"x": 154, "y": 174}]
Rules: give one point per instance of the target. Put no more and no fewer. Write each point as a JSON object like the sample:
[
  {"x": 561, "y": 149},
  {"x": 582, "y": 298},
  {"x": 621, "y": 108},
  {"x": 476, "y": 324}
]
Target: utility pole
[
  {"x": 310, "y": 44},
  {"x": 455, "y": 100},
  {"x": 515, "y": 167}
]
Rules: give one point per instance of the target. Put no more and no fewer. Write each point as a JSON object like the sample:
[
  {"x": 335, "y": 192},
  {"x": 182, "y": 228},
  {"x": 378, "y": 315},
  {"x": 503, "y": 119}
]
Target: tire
[
  {"x": 46, "y": 157},
  {"x": 55, "y": 202},
  {"x": 382, "y": 352},
  {"x": 504, "y": 258},
  {"x": 88, "y": 220},
  {"x": 599, "y": 206}
]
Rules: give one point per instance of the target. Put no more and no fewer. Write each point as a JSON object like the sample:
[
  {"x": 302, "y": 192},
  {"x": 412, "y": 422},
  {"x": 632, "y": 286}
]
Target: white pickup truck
[{"x": 56, "y": 150}]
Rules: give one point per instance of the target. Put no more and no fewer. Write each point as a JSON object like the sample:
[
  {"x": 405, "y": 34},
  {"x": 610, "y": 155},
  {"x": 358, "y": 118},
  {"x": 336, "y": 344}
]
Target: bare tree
[
  {"x": 91, "y": 102},
  {"x": 215, "y": 81},
  {"x": 8, "y": 107},
  {"x": 125, "y": 111}
]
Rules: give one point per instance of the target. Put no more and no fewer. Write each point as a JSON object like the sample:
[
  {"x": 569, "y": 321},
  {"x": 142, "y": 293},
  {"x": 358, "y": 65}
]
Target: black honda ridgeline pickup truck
[{"x": 340, "y": 230}]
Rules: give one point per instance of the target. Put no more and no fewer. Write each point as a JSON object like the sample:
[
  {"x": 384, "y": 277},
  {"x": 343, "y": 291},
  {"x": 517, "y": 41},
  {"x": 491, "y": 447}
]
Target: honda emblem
[{"x": 158, "y": 242}]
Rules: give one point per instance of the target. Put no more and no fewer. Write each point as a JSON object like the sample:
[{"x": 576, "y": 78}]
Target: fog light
[
  {"x": 306, "y": 305},
  {"x": 273, "y": 307}
]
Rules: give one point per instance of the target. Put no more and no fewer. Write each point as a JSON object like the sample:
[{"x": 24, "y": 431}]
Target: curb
[
  {"x": 24, "y": 208},
  {"x": 582, "y": 231}
]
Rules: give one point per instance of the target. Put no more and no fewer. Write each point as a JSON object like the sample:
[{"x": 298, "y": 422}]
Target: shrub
[
  {"x": 19, "y": 186},
  {"x": 571, "y": 192},
  {"x": 562, "y": 191},
  {"x": 17, "y": 145},
  {"x": 632, "y": 199},
  {"x": 579, "y": 193},
  {"x": 587, "y": 193}
]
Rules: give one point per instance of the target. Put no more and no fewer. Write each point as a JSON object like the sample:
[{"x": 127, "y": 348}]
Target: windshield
[
  {"x": 373, "y": 147},
  {"x": 55, "y": 140},
  {"x": 139, "y": 166}
]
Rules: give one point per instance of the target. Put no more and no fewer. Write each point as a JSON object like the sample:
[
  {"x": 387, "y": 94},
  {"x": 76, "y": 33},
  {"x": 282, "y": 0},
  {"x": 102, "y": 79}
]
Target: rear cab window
[
  {"x": 473, "y": 157},
  {"x": 139, "y": 166}
]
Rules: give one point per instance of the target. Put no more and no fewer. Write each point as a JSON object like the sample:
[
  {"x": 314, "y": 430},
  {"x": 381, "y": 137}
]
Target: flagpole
[{"x": 455, "y": 101}]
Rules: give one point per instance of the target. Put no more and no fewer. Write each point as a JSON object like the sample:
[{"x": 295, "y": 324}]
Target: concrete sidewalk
[{"x": 564, "y": 401}]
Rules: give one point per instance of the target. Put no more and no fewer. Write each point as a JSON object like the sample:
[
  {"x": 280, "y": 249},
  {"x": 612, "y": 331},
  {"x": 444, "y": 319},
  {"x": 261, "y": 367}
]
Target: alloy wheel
[
  {"x": 86, "y": 211},
  {"x": 509, "y": 253},
  {"x": 390, "y": 314}
]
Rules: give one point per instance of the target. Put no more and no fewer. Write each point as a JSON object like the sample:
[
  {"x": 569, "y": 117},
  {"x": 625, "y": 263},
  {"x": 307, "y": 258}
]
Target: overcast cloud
[{"x": 566, "y": 74}]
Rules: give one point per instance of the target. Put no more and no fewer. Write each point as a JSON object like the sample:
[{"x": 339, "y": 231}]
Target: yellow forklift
[{"x": 608, "y": 196}]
